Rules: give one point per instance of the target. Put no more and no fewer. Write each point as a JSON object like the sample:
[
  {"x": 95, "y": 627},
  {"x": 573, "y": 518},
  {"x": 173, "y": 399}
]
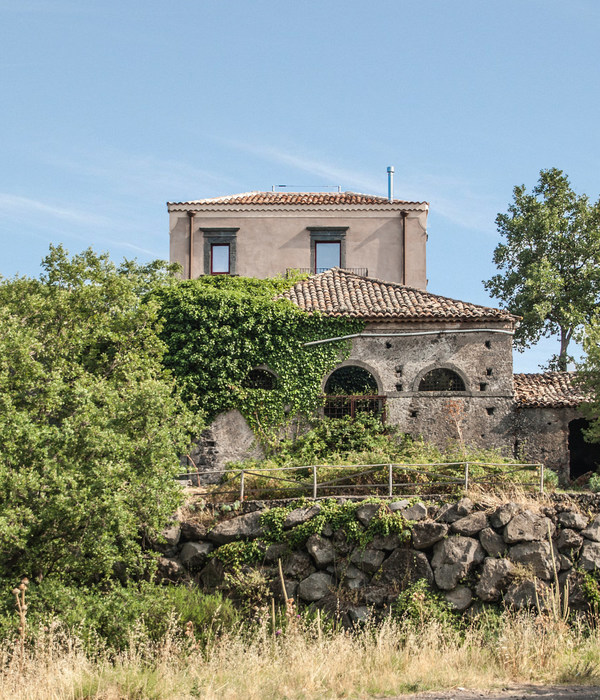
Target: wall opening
[
  {"x": 351, "y": 390},
  {"x": 441, "y": 379},
  {"x": 583, "y": 456},
  {"x": 260, "y": 379}
]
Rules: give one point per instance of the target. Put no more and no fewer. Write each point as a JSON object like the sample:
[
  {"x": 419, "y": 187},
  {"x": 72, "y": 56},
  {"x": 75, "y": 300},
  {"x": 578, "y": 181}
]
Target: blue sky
[{"x": 109, "y": 109}]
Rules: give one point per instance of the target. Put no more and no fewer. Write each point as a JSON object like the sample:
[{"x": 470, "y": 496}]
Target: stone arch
[
  {"x": 372, "y": 375},
  {"x": 446, "y": 375}
]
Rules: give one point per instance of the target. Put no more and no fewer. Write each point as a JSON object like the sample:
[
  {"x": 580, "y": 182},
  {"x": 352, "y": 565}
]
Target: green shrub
[{"x": 594, "y": 484}]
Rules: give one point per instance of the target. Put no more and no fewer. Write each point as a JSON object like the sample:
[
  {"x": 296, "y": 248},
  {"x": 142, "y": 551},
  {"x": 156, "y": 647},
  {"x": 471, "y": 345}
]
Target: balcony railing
[{"x": 361, "y": 271}]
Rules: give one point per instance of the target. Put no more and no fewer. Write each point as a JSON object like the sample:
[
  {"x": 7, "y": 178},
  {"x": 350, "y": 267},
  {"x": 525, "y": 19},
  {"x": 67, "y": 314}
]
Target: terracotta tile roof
[
  {"x": 547, "y": 390},
  {"x": 341, "y": 293},
  {"x": 297, "y": 198}
]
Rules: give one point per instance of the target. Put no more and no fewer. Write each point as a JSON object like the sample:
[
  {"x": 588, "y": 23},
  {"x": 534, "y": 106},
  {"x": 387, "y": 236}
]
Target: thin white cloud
[
  {"x": 16, "y": 206},
  {"x": 451, "y": 198}
]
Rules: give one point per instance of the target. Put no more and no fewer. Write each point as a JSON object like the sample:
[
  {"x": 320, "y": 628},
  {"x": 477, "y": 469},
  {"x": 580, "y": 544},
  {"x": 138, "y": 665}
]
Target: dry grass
[{"x": 308, "y": 663}]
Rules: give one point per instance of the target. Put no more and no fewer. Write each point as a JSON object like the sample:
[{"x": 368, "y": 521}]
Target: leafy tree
[
  {"x": 91, "y": 426},
  {"x": 549, "y": 262}
]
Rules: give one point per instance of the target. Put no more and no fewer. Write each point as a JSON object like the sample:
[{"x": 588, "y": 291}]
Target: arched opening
[
  {"x": 260, "y": 378},
  {"x": 351, "y": 380},
  {"x": 441, "y": 379},
  {"x": 350, "y": 390},
  {"x": 583, "y": 456}
]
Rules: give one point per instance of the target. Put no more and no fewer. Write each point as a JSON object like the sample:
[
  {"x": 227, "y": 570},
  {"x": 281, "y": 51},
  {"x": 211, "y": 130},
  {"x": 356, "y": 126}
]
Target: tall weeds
[{"x": 307, "y": 661}]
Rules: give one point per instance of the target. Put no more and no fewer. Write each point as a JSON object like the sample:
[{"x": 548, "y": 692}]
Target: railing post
[
  {"x": 390, "y": 481},
  {"x": 541, "y": 478},
  {"x": 466, "y": 477},
  {"x": 314, "y": 481},
  {"x": 242, "y": 486}
]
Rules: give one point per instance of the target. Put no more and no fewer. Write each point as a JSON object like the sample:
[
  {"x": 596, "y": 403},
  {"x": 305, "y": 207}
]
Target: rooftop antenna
[
  {"x": 390, "y": 172},
  {"x": 312, "y": 188}
]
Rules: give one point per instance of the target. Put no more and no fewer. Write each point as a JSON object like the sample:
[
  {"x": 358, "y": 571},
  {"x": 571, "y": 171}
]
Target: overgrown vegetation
[
  {"x": 91, "y": 425},
  {"x": 217, "y": 329}
]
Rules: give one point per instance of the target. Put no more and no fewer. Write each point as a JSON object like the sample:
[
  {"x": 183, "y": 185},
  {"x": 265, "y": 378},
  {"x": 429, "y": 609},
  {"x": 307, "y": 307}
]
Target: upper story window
[
  {"x": 327, "y": 247},
  {"x": 327, "y": 255},
  {"x": 220, "y": 251},
  {"x": 219, "y": 259}
]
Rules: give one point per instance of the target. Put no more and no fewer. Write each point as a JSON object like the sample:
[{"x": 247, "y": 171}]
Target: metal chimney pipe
[{"x": 390, "y": 172}]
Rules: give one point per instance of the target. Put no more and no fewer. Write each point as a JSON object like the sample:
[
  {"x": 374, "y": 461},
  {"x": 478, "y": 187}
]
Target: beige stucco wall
[{"x": 270, "y": 241}]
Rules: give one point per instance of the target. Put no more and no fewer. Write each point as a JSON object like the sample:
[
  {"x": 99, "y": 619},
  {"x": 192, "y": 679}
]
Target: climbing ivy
[{"x": 219, "y": 328}]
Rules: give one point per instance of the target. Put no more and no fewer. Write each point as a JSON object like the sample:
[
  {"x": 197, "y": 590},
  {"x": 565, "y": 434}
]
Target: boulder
[
  {"x": 298, "y": 565},
  {"x": 503, "y": 515},
  {"x": 321, "y": 550},
  {"x": 418, "y": 511},
  {"x": 492, "y": 542},
  {"x": 536, "y": 556},
  {"x": 589, "y": 559},
  {"x": 212, "y": 574},
  {"x": 359, "y": 614},
  {"x": 569, "y": 542},
  {"x": 426, "y": 534},
  {"x": 470, "y": 525},
  {"x": 453, "y": 558},
  {"x": 398, "y": 505},
  {"x": 592, "y": 531},
  {"x": 291, "y": 588},
  {"x": 527, "y": 594},
  {"x": 341, "y": 543},
  {"x": 450, "y": 513},
  {"x": 404, "y": 567},
  {"x": 170, "y": 569},
  {"x": 495, "y": 576},
  {"x": 368, "y": 560},
  {"x": 192, "y": 531},
  {"x": 572, "y": 519},
  {"x": 193, "y": 554},
  {"x": 243, "y": 526},
  {"x": 386, "y": 542},
  {"x": 315, "y": 586},
  {"x": 527, "y": 526},
  {"x": 300, "y": 516},
  {"x": 367, "y": 512},
  {"x": 276, "y": 551},
  {"x": 459, "y": 599}
]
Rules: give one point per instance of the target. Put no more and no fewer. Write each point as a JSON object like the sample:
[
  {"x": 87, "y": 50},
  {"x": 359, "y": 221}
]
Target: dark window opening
[
  {"x": 482, "y": 386},
  {"x": 219, "y": 259},
  {"x": 441, "y": 379},
  {"x": 328, "y": 254},
  {"x": 489, "y": 371},
  {"x": 260, "y": 379},
  {"x": 398, "y": 387},
  {"x": 351, "y": 380},
  {"x": 583, "y": 456},
  {"x": 351, "y": 390}
]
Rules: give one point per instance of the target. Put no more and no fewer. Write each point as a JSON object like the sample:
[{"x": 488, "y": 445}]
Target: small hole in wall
[
  {"x": 490, "y": 410},
  {"x": 398, "y": 387},
  {"x": 388, "y": 345},
  {"x": 482, "y": 386},
  {"x": 482, "y": 435},
  {"x": 414, "y": 414},
  {"x": 488, "y": 344},
  {"x": 489, "y": 371}
]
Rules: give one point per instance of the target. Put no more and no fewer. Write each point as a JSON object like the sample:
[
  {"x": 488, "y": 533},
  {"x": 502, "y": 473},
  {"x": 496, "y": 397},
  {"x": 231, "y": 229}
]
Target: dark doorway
[{"x": 584, "y": 456}]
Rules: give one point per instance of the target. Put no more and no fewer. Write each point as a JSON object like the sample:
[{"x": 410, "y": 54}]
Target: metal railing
[{"x": 383, "y": 479}]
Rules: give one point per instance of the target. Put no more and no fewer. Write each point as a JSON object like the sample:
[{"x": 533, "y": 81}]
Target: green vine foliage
[{"x": 217, "y": 329}]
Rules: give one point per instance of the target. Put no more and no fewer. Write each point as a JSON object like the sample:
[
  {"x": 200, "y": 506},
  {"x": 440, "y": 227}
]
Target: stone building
[{"x": 434, "y": 366}]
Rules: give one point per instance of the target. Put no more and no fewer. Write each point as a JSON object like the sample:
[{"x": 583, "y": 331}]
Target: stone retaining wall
[{"x": 471, "y": 554}]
